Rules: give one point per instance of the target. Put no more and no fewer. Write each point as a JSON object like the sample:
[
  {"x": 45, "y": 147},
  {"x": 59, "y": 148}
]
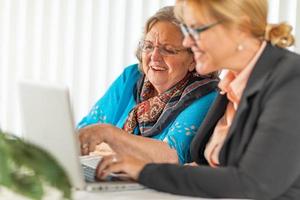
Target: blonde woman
[{"x": 248, "y": 145}]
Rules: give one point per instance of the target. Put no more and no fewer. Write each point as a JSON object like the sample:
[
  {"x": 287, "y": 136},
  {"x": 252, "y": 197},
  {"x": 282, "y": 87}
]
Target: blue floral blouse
[{"x": 114, "y": 107}]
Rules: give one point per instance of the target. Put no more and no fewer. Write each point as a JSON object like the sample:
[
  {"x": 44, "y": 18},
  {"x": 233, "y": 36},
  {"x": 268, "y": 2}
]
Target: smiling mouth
[{"x": 158, "y": 68}]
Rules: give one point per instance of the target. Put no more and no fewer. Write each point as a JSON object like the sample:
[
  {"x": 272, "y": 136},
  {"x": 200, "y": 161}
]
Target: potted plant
[{"x": 28, "y": 170}]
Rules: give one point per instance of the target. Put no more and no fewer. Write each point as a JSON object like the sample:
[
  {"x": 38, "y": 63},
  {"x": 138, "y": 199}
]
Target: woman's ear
[{"x": 192, "y": 65}]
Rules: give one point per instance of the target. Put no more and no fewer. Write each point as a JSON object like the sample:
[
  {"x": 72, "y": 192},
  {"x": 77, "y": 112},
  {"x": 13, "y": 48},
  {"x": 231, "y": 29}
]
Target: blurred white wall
[{"x": 84, "y": 44}]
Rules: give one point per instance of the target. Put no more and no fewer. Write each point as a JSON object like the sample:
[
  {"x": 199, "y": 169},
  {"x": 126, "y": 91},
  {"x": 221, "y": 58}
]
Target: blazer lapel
[
  {"x": 205, "y": 130},
  {"x": 267, "y": 61}
]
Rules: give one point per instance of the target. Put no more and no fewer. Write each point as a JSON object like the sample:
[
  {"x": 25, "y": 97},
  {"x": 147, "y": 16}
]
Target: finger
[
  {"x": 194, "y": 164},
  {"x": 112, "y": 168},
  {"x": 82, "y": 134},
  {"x": 103, "y": 164},
  {"x": 86, "y": 133},
  {"x": 85, "y": 151},
  {"x": 84, "y": 148}
]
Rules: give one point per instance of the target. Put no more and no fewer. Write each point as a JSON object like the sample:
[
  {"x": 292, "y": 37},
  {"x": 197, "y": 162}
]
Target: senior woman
[
  {"x": 248, "y": 145},
  {"x": 153, "y": 109}
]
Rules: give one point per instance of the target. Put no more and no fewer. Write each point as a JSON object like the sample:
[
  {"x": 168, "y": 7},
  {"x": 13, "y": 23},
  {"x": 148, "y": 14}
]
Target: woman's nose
[{"x": 155, "y": 55}]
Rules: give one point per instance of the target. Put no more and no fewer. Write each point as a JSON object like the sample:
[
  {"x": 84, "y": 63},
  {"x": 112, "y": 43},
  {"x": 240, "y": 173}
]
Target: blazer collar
[
  {"x": 268, "y": 61},
  {"x": 270, "y": 56}
]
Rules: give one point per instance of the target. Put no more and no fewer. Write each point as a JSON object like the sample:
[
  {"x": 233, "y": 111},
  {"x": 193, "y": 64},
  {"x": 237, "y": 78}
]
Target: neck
[{"x": 243, "y": 57}]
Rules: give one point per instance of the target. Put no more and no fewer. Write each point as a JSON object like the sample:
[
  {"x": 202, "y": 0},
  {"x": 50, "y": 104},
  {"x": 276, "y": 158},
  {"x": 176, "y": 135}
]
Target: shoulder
[
  {"x": 287, "y": 68},
  {"x": 275, "y": 66},
  {"x": 131, "y": 71},
  {"x": 283, "y": 77},
  {"x": 129, "y": 76},
  {"x": 289, "y": 62},
  {"x": 206, "y": 99},
  {"x": 199, "y": 107}
]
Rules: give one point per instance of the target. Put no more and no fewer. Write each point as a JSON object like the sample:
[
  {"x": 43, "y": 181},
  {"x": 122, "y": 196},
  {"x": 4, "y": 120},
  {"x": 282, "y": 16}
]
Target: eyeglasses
[
  {"x": 195, "y": 32},
  {"x": 164, "y": 50}
]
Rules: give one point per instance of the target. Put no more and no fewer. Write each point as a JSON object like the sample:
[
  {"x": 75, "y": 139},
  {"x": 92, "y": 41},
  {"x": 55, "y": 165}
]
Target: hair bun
[{"x": 279, "y": 35}]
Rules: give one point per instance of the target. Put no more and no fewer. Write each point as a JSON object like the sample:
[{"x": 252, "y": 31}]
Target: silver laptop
[{"x": 47, "y": 121}]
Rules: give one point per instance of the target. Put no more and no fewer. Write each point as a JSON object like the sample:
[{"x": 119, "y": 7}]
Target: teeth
[{"x": 158, "y": 68}]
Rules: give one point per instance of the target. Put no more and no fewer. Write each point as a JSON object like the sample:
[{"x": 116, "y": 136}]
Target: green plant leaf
[
  {"x": 30, "y": 186},
  {"x": 25, "y": 168}
]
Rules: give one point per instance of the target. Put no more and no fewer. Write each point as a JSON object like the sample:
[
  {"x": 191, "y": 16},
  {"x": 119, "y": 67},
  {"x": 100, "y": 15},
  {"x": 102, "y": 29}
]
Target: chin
[
  {"x": 204, "y": 68},
  {"x": 157, "y": 83}
]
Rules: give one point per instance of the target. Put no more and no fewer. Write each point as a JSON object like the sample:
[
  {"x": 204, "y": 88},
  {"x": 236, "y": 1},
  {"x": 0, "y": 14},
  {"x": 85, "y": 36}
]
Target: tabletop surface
[{"x": 144, "y": 194}]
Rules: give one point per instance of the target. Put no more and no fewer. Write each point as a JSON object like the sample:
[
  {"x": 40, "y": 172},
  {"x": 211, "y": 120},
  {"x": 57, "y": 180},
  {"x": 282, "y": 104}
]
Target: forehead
[{"x": 165, "y": 33}]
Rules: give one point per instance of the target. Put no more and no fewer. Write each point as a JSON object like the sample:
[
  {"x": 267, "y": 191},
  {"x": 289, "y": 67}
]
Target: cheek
[
  {"x": 211, "y": 42},
  {"x": 220, "y": 47},
  {"x": 179, "y": 68},
  {"x": 208, "y": 45},
  {"x": 213, "y": 53},
  {"x": 145, "y": 63}
]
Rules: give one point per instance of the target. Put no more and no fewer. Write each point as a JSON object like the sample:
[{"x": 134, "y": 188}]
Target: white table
[{"x": 145, "y": 194}]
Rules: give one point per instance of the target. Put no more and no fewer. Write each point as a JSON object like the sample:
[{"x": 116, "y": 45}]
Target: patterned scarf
[{"x": 154, "y": 112}]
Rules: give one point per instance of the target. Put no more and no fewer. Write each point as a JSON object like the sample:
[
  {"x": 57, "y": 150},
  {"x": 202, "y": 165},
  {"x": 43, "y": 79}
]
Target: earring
[{"x": 240, "y": 47}]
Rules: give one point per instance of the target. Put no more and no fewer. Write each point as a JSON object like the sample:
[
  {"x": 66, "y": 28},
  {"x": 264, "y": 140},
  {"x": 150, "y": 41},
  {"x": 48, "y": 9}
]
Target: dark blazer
[{"x": 261, "y": 155}]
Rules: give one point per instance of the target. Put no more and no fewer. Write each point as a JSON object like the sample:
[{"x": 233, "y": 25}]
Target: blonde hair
[{"x": 249, "y": 15}]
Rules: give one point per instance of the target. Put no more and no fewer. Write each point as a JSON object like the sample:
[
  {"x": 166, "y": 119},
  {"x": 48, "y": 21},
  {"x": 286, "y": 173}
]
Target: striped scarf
[{"x": 154, "y": 112}]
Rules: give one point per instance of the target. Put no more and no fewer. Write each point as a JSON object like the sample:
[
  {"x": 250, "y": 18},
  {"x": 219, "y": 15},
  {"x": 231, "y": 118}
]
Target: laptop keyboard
[{"x": 89, "y": 165}]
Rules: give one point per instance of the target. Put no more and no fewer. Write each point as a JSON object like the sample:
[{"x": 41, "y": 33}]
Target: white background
[{"x": 84, "y": 44}]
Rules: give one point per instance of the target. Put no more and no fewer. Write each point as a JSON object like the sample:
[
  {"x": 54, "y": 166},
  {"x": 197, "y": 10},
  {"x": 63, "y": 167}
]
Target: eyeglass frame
[
  {"x": 194, "y": 33},
  {"x": 161, "y": 49}
]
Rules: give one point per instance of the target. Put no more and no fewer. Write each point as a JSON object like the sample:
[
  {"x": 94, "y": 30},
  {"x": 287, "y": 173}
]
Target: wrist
[{"x": 107, "y": 133}]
